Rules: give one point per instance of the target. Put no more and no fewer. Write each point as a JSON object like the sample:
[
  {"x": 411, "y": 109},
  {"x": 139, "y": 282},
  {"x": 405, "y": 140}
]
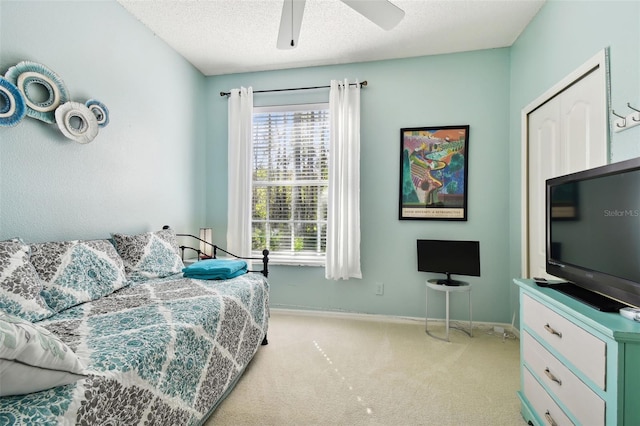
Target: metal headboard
[{"x": 201, "y": 255}]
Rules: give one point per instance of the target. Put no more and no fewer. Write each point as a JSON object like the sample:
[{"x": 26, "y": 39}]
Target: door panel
[
  {"x": 566, "y": 134},
  {"x": 545, "y": 159},
  {"x": 582, "y": 111}
]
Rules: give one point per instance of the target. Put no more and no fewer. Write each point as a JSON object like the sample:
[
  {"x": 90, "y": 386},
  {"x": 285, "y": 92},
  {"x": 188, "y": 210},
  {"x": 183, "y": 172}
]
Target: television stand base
[
  {"x": 449, "y": 282},
  {"x": 590, "y": 298}
]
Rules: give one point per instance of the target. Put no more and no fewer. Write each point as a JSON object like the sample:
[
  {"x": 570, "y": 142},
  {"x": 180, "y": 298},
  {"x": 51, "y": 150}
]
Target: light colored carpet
[{"x": 344, "y": 370}]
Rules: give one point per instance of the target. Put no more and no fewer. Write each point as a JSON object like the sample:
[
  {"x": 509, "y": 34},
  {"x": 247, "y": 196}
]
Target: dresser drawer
[
  {"x": 580, "y": 348},
  {"x": 542, "y": 403},
  {"x": 581, "y": 401}
]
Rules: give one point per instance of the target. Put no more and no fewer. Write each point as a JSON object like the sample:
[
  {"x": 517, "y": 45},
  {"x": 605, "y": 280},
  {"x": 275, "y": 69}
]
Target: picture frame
[{"x": 434, "y": 173}]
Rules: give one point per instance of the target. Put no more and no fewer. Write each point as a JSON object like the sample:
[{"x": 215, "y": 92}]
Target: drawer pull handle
[
  {"x": 552, "y": 377},
  {"x": 552, "y": 331},
  {"x": 550, "y": 419}
]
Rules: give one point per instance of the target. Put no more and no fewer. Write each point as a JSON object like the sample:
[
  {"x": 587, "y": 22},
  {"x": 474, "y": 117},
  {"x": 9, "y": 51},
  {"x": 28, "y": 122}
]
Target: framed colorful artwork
[{"x": 433, "y": 173}]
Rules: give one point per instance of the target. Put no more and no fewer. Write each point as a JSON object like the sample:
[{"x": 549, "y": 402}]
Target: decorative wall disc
[
  {"x": 12, "y": 106},
  {"x": 42, "y": 89},
  {"x": 99, "y": 110},
  {"x": 77, "y": 122}
]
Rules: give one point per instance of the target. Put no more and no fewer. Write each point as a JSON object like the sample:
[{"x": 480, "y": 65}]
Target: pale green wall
[
  {"x": 147, "y": 168},
  {"x": 563, "y": 36},
  {"x": 143, "y": 170},
  {"x": 466, "y": 88}
]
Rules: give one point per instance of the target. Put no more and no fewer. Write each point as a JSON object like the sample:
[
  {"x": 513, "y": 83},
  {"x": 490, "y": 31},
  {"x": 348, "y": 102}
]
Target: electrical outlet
[{"x": 379, "y": 289}]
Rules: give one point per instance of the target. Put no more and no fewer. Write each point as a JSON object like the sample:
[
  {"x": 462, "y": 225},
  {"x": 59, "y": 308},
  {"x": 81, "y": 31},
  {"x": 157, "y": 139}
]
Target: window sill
[{"x": 281, "y": 259}]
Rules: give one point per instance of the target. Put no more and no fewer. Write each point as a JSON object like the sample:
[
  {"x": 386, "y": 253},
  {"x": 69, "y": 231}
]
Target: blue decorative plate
[
  {"x": 99, "y": 110},
  {"x": 42, "y": 89},
  {"x": 12, "y": 106},
  {"x": 77, "y": 122}
]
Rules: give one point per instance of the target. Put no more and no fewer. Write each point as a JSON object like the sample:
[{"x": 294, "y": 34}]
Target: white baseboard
[{"x": 387, "y": 318}]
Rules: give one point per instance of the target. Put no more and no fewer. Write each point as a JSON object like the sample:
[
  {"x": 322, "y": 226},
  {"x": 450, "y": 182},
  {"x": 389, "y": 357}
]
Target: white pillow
[{"x": 33, "y": 359}]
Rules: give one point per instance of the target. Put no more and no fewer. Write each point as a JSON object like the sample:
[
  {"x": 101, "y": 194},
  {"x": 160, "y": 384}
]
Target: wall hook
[
  {"x": 624, "y": 119},
  {"x": 633, "y": 116}
]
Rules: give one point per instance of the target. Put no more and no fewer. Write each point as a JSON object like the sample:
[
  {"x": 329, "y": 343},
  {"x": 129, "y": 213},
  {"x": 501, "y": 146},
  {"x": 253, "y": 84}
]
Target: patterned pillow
[
  {"x": 75, "y": 272},
  {"x": 20, "y": 285},
  {"x": 32, "y": 359},
  {"x": 149, "y": 255}
]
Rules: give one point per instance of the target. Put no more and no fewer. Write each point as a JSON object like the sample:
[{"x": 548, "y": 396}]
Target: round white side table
[{"x": 463, "y": 287}]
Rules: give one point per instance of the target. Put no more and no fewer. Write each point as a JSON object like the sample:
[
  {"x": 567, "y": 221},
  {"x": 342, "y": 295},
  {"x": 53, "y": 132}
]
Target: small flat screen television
[
  {"x": 593, "y": 234},
  {"x": 450, "y": 258}
]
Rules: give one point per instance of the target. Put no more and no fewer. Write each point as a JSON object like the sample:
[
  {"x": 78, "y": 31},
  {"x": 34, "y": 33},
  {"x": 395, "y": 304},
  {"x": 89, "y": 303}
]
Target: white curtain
[
  {"x": 343, "y": 207},
  {"x": 239, "y": 161}
]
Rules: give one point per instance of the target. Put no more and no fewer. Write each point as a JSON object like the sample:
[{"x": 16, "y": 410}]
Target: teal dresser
[{"x": 577, "y": 365}]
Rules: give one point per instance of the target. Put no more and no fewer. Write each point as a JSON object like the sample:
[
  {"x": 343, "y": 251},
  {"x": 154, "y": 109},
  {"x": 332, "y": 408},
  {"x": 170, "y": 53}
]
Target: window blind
[{"x": 290, "y": 181}]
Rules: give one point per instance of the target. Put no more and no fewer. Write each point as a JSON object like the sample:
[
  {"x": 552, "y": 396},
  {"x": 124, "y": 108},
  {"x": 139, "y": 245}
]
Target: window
[{"x": 290, "y": 178}]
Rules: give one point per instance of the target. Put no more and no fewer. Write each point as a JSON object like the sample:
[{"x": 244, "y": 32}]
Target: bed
[{"x": 161, "y": 350}]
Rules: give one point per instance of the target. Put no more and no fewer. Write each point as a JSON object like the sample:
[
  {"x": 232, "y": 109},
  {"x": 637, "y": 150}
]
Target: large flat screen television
[
  {"x": 449, "y": 257},
  {"x": 593, "y": 234}
]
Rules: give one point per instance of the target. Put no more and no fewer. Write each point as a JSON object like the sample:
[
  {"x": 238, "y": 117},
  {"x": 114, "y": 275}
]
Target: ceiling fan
[{"x": 381, "y": 12}]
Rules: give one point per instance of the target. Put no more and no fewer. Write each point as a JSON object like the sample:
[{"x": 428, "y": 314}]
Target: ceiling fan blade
[
  {"x": 383, "y": 13},
  {"x": 290, "y": 24}
]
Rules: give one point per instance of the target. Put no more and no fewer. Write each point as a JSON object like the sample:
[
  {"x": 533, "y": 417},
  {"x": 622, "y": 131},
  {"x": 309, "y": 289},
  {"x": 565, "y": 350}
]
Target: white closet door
[
  {"x": 566, "y": 134},
  {"x": 583, "y": 117},
  {"x": 545, "y": 161}
]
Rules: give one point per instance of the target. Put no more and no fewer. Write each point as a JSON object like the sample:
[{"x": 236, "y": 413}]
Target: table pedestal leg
[
  {"x": 447, "y": 317},
  {"x": 470, "y": 317},
  {"x": 464, "y": 287},
  {"x": 426, "y": 313}
]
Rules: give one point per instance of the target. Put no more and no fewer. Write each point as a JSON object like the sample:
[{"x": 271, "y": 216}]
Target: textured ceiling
[{"x": 233, "y": 36}]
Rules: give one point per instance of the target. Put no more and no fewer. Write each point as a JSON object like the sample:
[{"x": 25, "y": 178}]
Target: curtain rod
[{"x": 364, "y": 83}]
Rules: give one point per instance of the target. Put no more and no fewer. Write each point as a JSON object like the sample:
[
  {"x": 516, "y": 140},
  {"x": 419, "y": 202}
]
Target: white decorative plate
[
  {"x": 42, "y": 89},
  {"x": 77, "y": 122}
]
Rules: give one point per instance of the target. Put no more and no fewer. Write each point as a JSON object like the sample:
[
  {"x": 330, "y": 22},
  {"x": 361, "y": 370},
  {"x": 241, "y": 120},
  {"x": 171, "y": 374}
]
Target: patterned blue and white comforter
[{"x": 162, "y": 352}]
